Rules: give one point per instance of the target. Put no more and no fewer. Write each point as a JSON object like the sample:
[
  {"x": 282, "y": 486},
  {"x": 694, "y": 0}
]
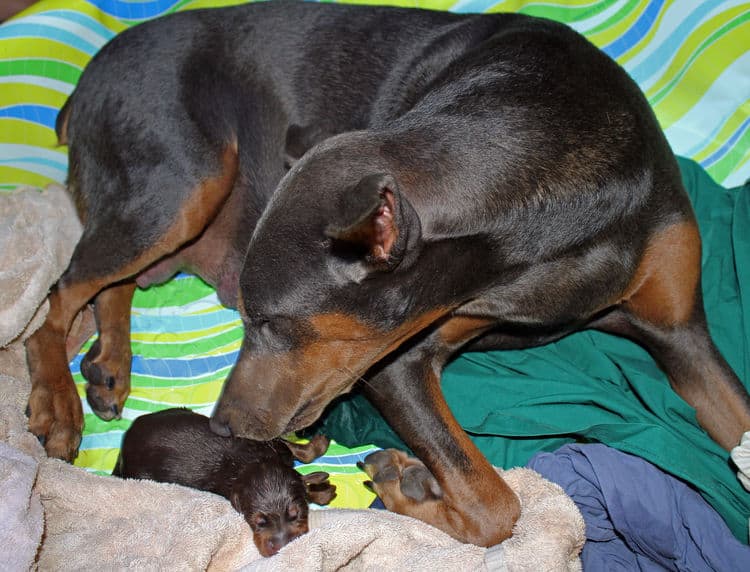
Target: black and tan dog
[
  {"x": 456, "y": 181},
  {"x": 258, "y": 477}
]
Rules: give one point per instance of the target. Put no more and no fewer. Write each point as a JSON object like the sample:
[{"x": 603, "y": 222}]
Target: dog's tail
[{"x": 61, "y": 123}]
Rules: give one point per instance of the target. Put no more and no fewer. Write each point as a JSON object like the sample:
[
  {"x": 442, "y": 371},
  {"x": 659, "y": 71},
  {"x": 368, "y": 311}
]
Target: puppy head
[{"x": 272, "y": 498}]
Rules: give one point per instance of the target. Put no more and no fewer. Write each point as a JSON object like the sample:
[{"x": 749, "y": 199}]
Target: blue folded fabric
[{"x": 638, "y": 517}]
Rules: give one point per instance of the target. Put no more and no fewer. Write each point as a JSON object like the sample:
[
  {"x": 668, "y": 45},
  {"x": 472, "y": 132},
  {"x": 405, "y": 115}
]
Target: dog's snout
[{"x": 220, "y": 427}]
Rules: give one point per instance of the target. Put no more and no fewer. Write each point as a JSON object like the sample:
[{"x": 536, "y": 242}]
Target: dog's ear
[{"x": 372, "y": 217}]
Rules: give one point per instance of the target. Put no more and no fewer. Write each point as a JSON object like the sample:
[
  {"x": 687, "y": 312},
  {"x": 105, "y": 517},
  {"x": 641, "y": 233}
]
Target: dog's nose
[{"x": 220, "y": 427}]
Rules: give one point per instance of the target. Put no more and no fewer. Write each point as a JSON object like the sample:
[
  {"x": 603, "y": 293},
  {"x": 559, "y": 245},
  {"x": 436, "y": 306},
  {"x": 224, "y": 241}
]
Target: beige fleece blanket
[{"x": 54, "y": 516}]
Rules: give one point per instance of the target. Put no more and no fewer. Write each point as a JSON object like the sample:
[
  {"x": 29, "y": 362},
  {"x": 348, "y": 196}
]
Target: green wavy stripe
[
  {"x": 738, "y": 156},
  {"x": 617, "y": 23},
  {"x": 198, "y": 344},
  {"x": 45, "y": 67},
  {"x": 564, "y": 12},
  {"x": 175, "y": 292}
]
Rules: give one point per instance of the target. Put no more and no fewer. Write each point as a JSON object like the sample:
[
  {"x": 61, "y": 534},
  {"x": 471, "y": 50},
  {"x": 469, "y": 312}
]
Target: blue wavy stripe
[
  {"x": 83, "y": 20},
  {"x": 134, "y": 10},
  {"x": 669, "y": 46},
  {"x": 41, "y": 114},
  {"x": 724, "y": 149},
  {"x": 188, "y": 367},
  {"x": 182, "y": 368},
  {"x": 183, "y": 323},
  {"x": 472, "y": 6},
  {"x": 332, "y": 460},
  {"x": 704, "y": 139},
  {"x": 20, "y": 29},
  {"x": 62, "y": 166},
  {"x": 109, "y": 440},
  {"x": 636, "y": 32}
]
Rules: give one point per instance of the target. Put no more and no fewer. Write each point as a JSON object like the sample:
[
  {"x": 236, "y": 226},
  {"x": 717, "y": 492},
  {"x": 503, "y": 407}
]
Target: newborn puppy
[{"x": 177, "y": 446}]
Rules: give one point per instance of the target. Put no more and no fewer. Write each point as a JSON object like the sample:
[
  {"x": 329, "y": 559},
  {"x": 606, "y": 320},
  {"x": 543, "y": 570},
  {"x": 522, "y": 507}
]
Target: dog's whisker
[{"x": 356, "y": 377}]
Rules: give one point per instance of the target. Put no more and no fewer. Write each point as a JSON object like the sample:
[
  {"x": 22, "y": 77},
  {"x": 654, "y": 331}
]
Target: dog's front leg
[{"x": 472, "y": 503}]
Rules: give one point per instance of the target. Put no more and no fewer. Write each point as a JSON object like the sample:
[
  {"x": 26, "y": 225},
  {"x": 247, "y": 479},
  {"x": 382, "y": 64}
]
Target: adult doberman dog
[{"x": 375, "y": 189}]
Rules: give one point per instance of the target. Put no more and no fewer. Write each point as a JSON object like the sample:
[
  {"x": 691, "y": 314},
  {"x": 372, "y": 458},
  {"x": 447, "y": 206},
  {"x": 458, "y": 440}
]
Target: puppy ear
[
  {"x": 234, "y": 498},
  {"x": 370, "y": 216}
]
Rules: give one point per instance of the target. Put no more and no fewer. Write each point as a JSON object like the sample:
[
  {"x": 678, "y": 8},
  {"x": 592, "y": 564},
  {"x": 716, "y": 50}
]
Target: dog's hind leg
[
  {"x": 663, "y": 310},
  {"x": 111, "y": 250},
  {"x": 106, "y": 366}
]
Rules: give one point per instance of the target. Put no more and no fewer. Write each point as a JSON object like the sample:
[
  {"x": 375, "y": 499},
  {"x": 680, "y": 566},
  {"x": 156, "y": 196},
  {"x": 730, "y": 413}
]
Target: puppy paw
[
  {"x": 308, "y": 452},
  {"x": 319, "y": 489}
]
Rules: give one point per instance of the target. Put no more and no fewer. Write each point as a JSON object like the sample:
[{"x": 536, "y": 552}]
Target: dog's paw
[
  {"x": 108, "y": 381},
  {"x": 400, "y": 480},
  {"x": 56, "y": 418}
]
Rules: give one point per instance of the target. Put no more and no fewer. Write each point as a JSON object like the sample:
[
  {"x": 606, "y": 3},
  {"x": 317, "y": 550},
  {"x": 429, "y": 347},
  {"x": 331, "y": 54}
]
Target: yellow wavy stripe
[
  {"x": 692, "y": 43},
  {"x": 351, "y": 491},
  {"x": 102, "y": 460},
  {"x": 31, "y": 48},
  {"x": 170, "y": 337},
  {"x": 205, "y": 392},
  {"x": 700, "y": 75},
  {"x": 15, "y": 93},
  {"x": 20, "y": 177},
  {"x": 27, "y": 133}
]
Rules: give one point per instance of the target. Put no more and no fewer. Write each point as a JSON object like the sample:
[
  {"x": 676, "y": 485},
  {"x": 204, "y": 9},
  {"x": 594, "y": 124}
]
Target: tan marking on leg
[
  {"x": 663, "y": 289},
  {"x": 476, "y": 505},
  {"x": 55, "y": 408},
  {"x": 460, "y": 329}
]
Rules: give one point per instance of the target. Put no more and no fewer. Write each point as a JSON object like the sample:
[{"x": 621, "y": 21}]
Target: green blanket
[{"x": 592, "y": 386}]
